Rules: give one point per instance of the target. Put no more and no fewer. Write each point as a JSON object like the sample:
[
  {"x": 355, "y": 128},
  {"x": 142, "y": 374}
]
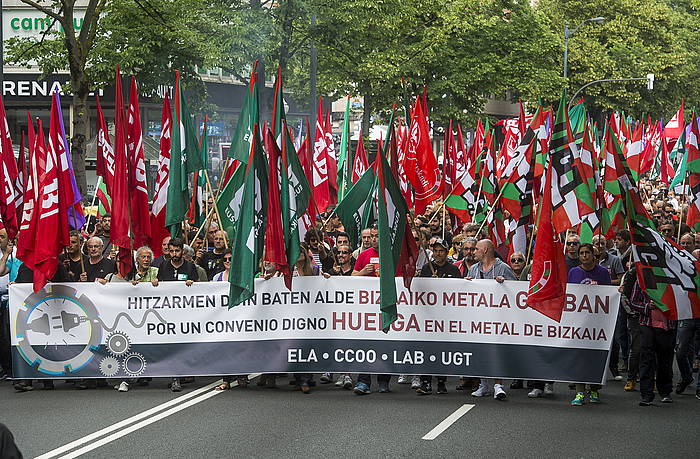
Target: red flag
[
  {"x": 421, "y": 165},
  {"x": 332, "y": 160},
  {"x": 119, "y": 233},
  {"x": 320, "y": 184},
  {"x": 666, "y": 167},
  {"x": 105, "y": 152},
  {"x": 522, "y": 123},
  {"x": 138, "y": 188},
  {"x": 548, "y": 278},
  {"x": 21, "y": 183},
  {"x": 160, "y": 196},
  {"x": 46, "y": 216},
  {"x": 275, "y": 250},
  {"x": 360, "y": 163},
  {"x": 8, "y": 197},
  {"x": 409, "y": 257},
  {"x": 674, "y": 127}
]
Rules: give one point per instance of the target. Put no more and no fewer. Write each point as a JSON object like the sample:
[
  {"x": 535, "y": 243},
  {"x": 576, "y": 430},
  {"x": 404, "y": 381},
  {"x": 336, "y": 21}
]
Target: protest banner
[{"x": 444, "y": 327}]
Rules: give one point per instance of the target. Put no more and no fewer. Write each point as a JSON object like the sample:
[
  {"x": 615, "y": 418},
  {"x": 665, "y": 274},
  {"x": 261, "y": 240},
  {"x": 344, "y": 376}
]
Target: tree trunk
[
  {"x": 283, "y": 58},
  {"x": 366, "y": 114},
  {"x": 81, "y": 128}
]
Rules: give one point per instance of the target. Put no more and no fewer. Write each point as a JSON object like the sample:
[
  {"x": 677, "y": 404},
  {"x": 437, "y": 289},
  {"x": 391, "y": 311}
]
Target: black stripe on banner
[{"x": 352, "y": 356}]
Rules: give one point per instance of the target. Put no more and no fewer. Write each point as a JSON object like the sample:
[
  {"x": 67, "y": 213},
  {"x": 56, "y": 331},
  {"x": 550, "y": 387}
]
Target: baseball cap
[{"x": 441, "y": 242}]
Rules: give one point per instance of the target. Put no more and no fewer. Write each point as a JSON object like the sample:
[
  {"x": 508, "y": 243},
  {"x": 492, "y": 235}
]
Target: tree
[
  {"x": 637, "y": 37},
  {"x": 74, "y": 46}
]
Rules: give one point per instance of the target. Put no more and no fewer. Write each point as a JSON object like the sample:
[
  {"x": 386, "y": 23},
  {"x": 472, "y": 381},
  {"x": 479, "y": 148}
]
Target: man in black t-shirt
[
  {"x": 97, "y": 267},
  {"x": 177, "y": 268},
  {"x": 72, "y": 259},
  {"x": 438, "y": 267},
  {"x": 213, "y": 262}
]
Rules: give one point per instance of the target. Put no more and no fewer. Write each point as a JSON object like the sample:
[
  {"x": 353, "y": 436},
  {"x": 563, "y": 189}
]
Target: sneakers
[
  {"x": 549, "y": 390},
  {"x": 403, "y": 379},
  {"x": 463, "y": 384},
  {"x": 415, "y": 382},
  {"x": 175, "y": 385},
  {"x": 498, "y": 392},
  {"x": 339, "y": 382},
  {"x": 347, "y": 382},
  {"x": 384, "y": 387},
  {"x": 697, "y": 394},
  {"x": 22, "y": 386},
  {"x": 442, "y": 388},
  {"x": 326, "y": 378},
  {"x": 595, "y": 396},
  {"x": 361, "y": 389},
  {"x": 645, "y": 402},
  {"x": 123, "y": 387},
  {"x": 482, "y": 391},
  {"x": 425, "y": 389},
  {"x": 683, "y": 385},
  {"x": 535, "y": 393},
  {"x": 666, "y": 399},
  {"x": 579, "y": 399},
  {"x": 630, "y": 385}
]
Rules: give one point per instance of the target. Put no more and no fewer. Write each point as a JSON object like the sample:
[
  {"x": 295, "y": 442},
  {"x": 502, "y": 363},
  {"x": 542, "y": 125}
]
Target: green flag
[
  {"x": 247, "y": 119},
  {"x": 184, "y": 159},
  {"x": 294, "y": 187},
  {"x": 345, "y": 161},
  {"x": 249, "y": 237},
  {"x": 355, "y": 210},
  {"x": 229, "y": 201},
  {"x": 392, "y": 219}
]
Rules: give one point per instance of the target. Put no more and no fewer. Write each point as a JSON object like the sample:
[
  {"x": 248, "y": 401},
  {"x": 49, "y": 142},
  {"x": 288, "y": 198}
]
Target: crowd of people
[{"x": 645, "y": 342}]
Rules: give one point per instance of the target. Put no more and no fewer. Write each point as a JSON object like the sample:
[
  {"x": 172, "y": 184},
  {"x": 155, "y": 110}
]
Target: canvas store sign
[{"x": 32, "y": 23}]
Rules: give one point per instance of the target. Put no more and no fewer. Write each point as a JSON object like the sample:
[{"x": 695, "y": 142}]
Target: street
[{"x": 259, "y": 422}]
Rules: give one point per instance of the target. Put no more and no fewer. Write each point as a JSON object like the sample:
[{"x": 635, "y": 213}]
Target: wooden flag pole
[
  {"x": 680, "y": 217},
  {"x": 216, "y": 209}
]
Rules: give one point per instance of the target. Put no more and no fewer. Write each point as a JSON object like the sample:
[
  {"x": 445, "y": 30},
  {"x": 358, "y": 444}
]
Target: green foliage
[{"x": 638, "y": 37}]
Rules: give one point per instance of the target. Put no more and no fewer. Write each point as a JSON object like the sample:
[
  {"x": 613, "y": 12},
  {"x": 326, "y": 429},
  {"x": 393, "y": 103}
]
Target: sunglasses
[
  {"x": 517, "y": 260},
  {"x": 227, "y": 259},
  {"x": 343, "y": 252},
  {"x": 573, "y": 243}
]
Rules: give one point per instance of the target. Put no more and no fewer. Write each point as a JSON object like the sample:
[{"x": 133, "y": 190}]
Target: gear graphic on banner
[
  {"x": 58, "y": 333},
  {"x": 109, "y": 366},
  {"x": 134, "y": 364},
  {"x": 118, "y": 343}
]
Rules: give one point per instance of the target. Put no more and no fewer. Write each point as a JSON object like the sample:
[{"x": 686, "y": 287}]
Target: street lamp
[{"x": 568, "y": 34}]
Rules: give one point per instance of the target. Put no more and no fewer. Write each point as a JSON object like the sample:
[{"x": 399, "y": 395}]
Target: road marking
[
  {"x": 447, "y": 422},
  {"x": 206, "y": 390}
]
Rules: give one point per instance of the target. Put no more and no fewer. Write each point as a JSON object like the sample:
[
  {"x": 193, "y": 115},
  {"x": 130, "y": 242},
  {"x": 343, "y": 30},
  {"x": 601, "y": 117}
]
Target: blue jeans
[{"x": 685, "y": 353}]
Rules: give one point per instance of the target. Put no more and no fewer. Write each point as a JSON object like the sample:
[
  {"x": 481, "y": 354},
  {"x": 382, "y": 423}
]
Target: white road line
[
  {"x": 121, "y": 424},
  {"x": 447, "y": 422}
]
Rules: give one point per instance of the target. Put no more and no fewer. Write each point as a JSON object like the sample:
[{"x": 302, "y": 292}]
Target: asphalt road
[{"x": 330, "y": 422}]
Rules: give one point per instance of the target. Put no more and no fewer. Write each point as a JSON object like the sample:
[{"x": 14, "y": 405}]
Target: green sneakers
[
  {"x": 578, "y": 401},
  {"x": 595, "y": 396}
]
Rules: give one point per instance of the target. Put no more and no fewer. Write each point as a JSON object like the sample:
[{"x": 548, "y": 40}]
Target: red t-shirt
[{"x": 366, "y": 257}]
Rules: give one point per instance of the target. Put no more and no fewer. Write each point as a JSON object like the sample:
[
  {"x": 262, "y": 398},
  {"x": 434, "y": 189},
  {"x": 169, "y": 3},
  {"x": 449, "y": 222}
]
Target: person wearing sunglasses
[
  {"x": 345, "y": 262},
  {"x": 223, "y": 275},
  {"x": 572, "y": 244},
  {"x": 517, "y": 263}
]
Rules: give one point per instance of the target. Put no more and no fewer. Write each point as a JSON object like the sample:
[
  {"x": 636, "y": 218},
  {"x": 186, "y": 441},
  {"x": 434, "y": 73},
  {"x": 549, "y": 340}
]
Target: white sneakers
[
  {"x": 403, "y": 379},
  {"x": 415, "y": 382},
  {"x": 482, "y": 391},
  {"x": 498, "y": 392},
  {"x": 340, "y": 380},
  {"x": 535, "y": 393},
  {"x": 548, "y": 390},
  {"x": 123, "y": 387}
]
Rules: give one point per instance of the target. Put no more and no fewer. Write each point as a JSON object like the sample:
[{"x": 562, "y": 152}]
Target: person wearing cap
[{"x": 441, "y": 267}]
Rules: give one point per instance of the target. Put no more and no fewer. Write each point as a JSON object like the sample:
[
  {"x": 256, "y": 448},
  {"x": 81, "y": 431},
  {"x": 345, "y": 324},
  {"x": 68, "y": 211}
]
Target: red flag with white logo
[{"x": 138, "y": 188}]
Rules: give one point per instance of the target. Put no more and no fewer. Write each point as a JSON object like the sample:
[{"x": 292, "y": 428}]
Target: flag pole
[
  {"x": 203, "y": 225},
  {"x": 92, "y": 203},
  {"x": 680, "y": 217},
  {"x": 216, "y": 209},
  {"x": 492, "y": 208}
]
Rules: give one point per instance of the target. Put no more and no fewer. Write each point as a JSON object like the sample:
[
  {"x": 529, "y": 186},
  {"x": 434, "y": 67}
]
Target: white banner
[{"x": 445, "y": 327}]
